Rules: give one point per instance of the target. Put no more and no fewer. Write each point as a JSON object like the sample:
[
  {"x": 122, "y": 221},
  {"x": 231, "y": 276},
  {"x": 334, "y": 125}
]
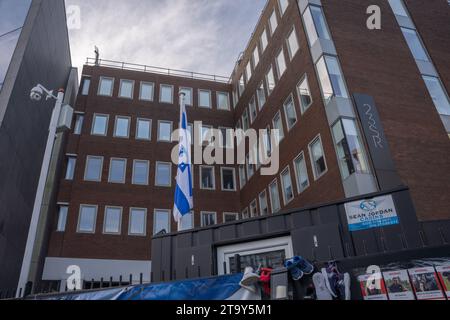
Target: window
[
  {"x": 187, "y": 222},
  {"x": 144, "y": 129},
  {"x": 253, "y": 209},
  {"x": 126, "y": 89},
  {"x": 187, "y": 95},
  {"x": 304, "y": 94},
  {"x": 140, "y": 172},
  {"x": 223, "y": 101},
  {"x": 415, "y": 44},
  {"x": 270, "y": 81},
  {"x": 165, "y": 131},
  {"x": 438, "y": 94},
  {"x": 226, "y": 137},
  {"x": 267, "y": 142},
  {"x": 261, "y": 94},
  {"x": 241, "y": 85},
  {"x": 330, "y": 78},
  {"x": 228, "y": 179},
  {"x": 189, "y": 129},
  {"x": 106, "y": 86},
  {"x": 253, "y": 112},
  {"x": 166, "y": 94},
  {"x": 274, "y": 197},
  {"x": 79, "y": 120},
  {"x": 286, "y": 183},
  {"x": 87, "y": 219},
  {"x": 398, "y": 8},
  {"x": 85, "y": 84},
  {"x": 289, "y": 111},
  {"x": 250, "y": 167},
  {"x": 263, "y": 203},
  {"x": 94, "y": 167},
  {"x": 117, "y": 170},
  {"x": 273, "y": 22},
  {"x": 122, "y": 127},
  {"x": 350, "y": 151},
  {"x": 71, "y": 163},
  {"x": 163, "y": 174},
  {"x": 113, "y": 220},
  {"x": 161, "y": 221},
  {"x": 230, "y": 217},
  {"x": 242, "y": 177},
  {"x": 245, "y": 120},
  {"x": 315, "y": 24},
  {"x": 147, "y": 91},
  {"x": 292, "y": 43},
  {"x": 138, "y": 222},
  {"x": 62, "y": 218},
  {"x": 255, "y": 57},
  {"x": 278, "y": 125},
  {"x": 100, "y": 125},
  {"x": 209, "y": 219},
  {"x": 204, "y": 99},
  {"x": 301, "y": 173},
  {"x": 264, "y": 41},
  {"x": 281, "y": 64},
  {"x": 245, "y": 214},
  {"x": 235, "y": 98},
  {"x": 283, "y": 4},
  {"x": 207, "y": 134},
  {"x": 317, "y": 158},
  {"x": 207, "y": 178},
  {"x": 248, "y": 70}
]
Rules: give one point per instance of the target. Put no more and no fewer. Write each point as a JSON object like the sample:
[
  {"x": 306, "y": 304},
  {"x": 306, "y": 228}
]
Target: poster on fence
[
  {"x": 398, "y": 285},
  {"x": 444, "y": 276},
  {"x": 426, "y": 284},
  {"x": 372, "y": 287}
]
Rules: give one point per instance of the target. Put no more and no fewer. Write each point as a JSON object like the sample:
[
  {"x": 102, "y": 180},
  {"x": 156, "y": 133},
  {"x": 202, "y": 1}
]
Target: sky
[{"x": 204, "y": 36}]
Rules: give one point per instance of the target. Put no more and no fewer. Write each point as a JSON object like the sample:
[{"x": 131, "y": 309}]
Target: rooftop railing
[{"x": 157, "y": 70}]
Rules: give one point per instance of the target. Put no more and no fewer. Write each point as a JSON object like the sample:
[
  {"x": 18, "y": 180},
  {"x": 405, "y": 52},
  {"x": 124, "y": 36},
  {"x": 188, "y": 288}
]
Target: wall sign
[{"x": 371, "y": 213}]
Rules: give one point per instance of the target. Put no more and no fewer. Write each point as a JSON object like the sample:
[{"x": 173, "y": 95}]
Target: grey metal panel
[
  {"x": 365, "y": 243},
  {"x": 303, "y": 4},
  {"x": 204, "y": 237},
  {"x": 276, "y": 224},
  {"x": 446, "y": 121},
  {"x": 301, "y": 219},
  {"x": 321, "y": 47},
  {"x": 184, "y": 240},
  {"x": 327, "y": 215},
  {"x": 427, "y": 68},
  {"x": 359, "y": 184},
  {"x": 248, "y": 229},
  {"x": 337, "y": 108},
  {"x": 227, "y": 233}
]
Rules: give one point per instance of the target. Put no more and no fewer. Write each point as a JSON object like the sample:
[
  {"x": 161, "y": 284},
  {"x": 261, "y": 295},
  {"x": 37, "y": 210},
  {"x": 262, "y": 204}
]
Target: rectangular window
[
  {"x": 165, "y": 131},
  {"x": 241, "y": 85},
  {"x": 188, "y": 95},
  {"x": 242, "y": 177},
  {"x": 87, "y": 219},
  {"x": 292, "y": 43},
  {"x": 235, "y": 98},
  {"x": 113, "y": 220},
  {"x": 261, "y": 94},
  {"x": 228, "y": 179},
  {"x": 166, "y": 94},
  {"x": 62, "y": 218},
  {"x": 94, "y": 168},
  {"x": 255, "y": 57},
  {"x": 223, "y": 101},
  {"x": 147, "y": 91},
  {"x": 140, "y": 172},
  {"x": 438, "y": 94},
  {"x": 253, "y": 209},
  {"x": 85, "y": 85},
  {"x": 163, "y": 175},
  {"x": 207, "y": 178},
  {"x": 209, "y": 219},
  {"x": 274, "y": 197},
  {"x": 264, "y": 40},
  {"x": 270, "y": 81},
  {"x": 204, "y": 99},
  {"x": 248, "y": 70},
  {"x": 415, "y": 44},
  {"x": 122, "y": 127},
  {"x": 245, "y": 214},
  {"x": 267, "y": 141},
  {"x": 106, "y": 86},
  {"x": 278, "y": 125},
  {"x": 100, "y": 125},
  {"x": 161, "y": 223},
  {"x": 250, "y": 167},
  {"x": 207, "y": 134},
  {"x": 230, "y": 217},
  {"x": 350, "y": 150},
  {"x": 71, "y": 163},
  {"x": 187, "y": 222},
  {"x": 286, "y": 183},
  {"x": 79, "y": 120},
  {"x": 315, "y": 24},
  {"x": 117, "y": 170},
  {"x": 304, "y": 94},
  {"x": 138, "y": 222},
  {"x": 144, "y": 129},
  {"x": 283, "y": 4},
  {"x": 245, "y": 120},
  {"x": 263, "y": 203},
  {"x": 317, "y": 158},
  {"x": 273, "y": 22},
  {"x": 290, "y": 112},
  {"x": 301, "y": 173},
  {"x": 226, "y": 137},
  {"x": 253, "y": 112},
  {"x": 398, "y": 8},
  {"x": 126, "y": 89},
  {"x": 281, "y": 64},
  {"x": 330, "y": 78}
]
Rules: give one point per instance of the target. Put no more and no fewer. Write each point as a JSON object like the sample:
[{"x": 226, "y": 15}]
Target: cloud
[{"x": 196, "y": 35}]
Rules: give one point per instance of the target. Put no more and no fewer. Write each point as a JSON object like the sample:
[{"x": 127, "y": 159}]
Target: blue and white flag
[{"x": 184, "y": 201}]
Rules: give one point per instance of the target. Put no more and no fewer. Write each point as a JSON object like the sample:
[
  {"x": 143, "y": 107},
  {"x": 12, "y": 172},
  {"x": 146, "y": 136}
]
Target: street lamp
[{"x": 36, "y": 95}]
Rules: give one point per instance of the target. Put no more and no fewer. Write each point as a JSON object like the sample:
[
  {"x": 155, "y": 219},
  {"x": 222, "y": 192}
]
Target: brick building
[{"x": 309, "y": 70}]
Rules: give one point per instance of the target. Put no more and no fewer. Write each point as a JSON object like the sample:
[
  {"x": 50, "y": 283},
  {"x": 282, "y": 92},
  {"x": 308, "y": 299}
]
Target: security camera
[{"x": 36, "y": 93}]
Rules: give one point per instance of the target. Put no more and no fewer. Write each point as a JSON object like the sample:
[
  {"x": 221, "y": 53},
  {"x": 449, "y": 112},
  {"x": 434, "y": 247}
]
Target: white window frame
[
  {"x": 289, "y": 127},
  {"x": 313, "y": 165},
  {"x": 168, "y": 216},
  {"x": 234, "y": 179},
  {"x": 120, "y": 220},
  {"x": 128, "y": 129},
  {"x": 169, "y": 185},
  {"x": 191, "y": 90},
  {"x": 58, "y": 223},
  {"x": 100, "y": 86},
  {"x": 86, "y": 168},
  {"x": 267, "y": 202},
  {"x": 213, "y": 177},
  {"x": 283, "y": 187},
  {"x": 152, "y": 98},
  {"x": 255, "y": 57},
  {"x": 288, "y": 43},
  {"x": 252, "y": 119},
  {"x": 300, "y": 189},
  {"x": 202, "y": 213},
  {"x": 280, "y": 72},
  {"x": 303, "y": 108},
  {"x": 248, "y": 71},
  {"x": 171, "y": 129},
  {"x": 132, "y": 89},
  {"x": 83, "y": 90},
  {"x": 282, "y": 133},
  {"x": 161, "y": 86},
  {"x": 261, "y": 106},
  {"x": 69, "y": 157},
  {"x": 218, "y": 94},
  {"x": 266, "y": 77},
  {"x": 110, "y": 171},
  {"x": 78, "y": 130},
  {"x": 275, "y": 181},
  {"x": 133, "y": 182},
  {"x": 256, "y": 208},
  {"x": 93, "y": 124},
  {"x": 280, "y": 7},
  {"x": 272, "y": 28},
  {"x": 145, "y": 222},
  {"x": 150, "y": 129},
  {"x": 264, "y": 44},
  {"x": 235, "y": 214},
  {"x": 95, "y": 218},
  {"x": 200, "y": 91}
]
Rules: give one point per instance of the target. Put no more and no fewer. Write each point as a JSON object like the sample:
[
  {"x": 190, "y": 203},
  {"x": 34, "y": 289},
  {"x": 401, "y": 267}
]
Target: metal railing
[{"x": 158, "y": 70}]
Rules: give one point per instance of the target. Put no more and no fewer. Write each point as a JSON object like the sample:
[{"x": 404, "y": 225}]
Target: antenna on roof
[{"x": 97, "y": 55}]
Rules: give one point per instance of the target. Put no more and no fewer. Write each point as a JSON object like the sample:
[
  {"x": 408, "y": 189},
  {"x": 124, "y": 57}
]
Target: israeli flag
[{"x": 184, "y": 202}]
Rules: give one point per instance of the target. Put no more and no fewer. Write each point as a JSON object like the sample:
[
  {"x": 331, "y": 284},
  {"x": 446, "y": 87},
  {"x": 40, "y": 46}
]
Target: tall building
[
  {"x": 359, "y": 111},
  {"x": 34, "y": 49}
]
